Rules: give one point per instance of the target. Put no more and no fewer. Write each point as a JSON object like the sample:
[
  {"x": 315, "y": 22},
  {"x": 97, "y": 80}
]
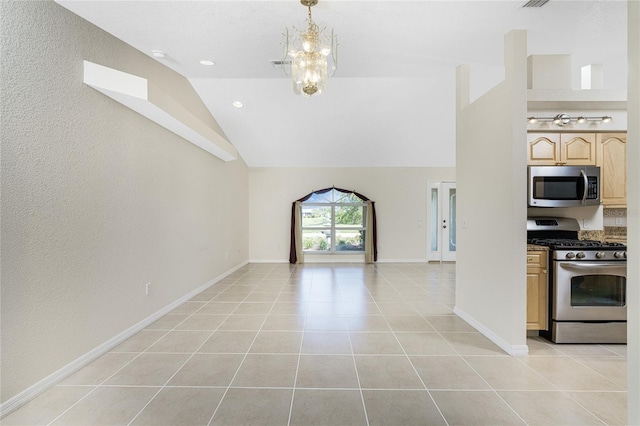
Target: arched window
[{"x": 333, "y": 220}]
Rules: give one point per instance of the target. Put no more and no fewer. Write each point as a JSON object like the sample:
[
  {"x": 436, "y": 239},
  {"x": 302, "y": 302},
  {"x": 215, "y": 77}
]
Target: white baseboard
[
  {"x": 513, "y": 350},
  {"x": 339, "y": 259},
  {"x": 38, "y": 388}
]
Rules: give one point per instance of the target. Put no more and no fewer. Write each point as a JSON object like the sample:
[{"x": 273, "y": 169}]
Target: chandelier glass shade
[{"x": 310, "y": 56}]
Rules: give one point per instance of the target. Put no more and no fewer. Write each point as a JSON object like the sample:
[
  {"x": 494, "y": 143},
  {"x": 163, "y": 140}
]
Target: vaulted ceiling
[{"x": 391, "y": 102}]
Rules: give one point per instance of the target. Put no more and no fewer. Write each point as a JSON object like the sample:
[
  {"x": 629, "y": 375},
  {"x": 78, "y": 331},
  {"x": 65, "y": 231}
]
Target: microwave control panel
[{"x": 592, "y": 188}]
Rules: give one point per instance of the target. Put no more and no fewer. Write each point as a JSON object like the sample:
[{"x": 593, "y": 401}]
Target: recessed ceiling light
[
  {"x": 207, "y": 62},
  {"x": 237, "y": 104},
  {"x": 158, "y": 54}
]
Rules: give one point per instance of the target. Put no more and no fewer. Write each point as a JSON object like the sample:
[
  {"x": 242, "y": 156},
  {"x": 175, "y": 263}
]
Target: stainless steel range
[{"x": 588, "y": 283}]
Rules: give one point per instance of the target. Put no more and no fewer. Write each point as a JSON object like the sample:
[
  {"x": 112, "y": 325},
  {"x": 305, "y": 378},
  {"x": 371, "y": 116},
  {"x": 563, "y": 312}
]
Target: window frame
[{"x": 332, "y": 228}]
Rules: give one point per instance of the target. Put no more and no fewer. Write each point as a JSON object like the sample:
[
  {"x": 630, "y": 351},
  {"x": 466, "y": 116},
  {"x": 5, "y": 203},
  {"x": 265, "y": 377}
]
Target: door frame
[{"x": 439, "y": 255}]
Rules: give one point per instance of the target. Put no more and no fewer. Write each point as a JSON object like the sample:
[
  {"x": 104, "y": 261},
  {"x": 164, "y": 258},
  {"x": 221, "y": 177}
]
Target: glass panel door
[
  {"x": 434, "y": 223},
  {"x": 449, "y": 222},
  {"x": 441, "y": 230}
]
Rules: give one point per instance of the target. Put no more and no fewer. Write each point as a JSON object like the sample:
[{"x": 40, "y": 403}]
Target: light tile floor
[{"x": 333, "y": 344}]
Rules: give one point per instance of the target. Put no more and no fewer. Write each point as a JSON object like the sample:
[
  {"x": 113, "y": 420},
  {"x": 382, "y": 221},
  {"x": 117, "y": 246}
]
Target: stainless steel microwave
[{"x": 563, "y": 186}]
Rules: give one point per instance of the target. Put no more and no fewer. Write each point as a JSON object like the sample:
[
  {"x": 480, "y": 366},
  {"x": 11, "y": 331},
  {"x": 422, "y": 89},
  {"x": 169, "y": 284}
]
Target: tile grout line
[
  {"x": 295, "y": 378},
  {"x": 401, "y": 285},
  {"x": 185, "y": 362},
  {"x": 355, "y": 367},
  {"x": 462, "y": 357},
  {"x": 565, "y": 392},
  {"x": 413, "y": 366},
  {"x": 139, "y": 354},
  {"x": 243, "y": 359}
]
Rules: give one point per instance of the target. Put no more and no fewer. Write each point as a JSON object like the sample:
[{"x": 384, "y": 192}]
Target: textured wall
[{"x": 96, "y": 199}]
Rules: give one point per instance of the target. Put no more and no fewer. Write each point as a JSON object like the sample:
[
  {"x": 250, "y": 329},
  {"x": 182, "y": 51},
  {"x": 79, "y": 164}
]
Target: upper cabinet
[
  {"x": 556, "y": 149},
  {"x": 606, "y": 150},
  {"x": 611, "y": 156}
]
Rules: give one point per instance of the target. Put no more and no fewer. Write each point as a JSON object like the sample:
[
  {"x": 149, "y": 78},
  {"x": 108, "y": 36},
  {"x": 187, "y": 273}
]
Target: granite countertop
[
  {"x": 534, "y": 247},
  {"x": 615, "y": 233},
  {"x": 610, "y": 233}
]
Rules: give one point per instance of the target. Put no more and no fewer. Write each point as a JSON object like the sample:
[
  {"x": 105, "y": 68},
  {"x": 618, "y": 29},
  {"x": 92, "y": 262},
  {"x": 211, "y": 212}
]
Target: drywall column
[
  {"x": 492, "y": 208},
  {"x": 633, "y": 212}
]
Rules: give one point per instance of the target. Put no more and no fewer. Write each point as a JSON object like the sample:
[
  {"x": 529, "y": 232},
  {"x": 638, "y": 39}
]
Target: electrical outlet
[
  {"x": 586, "y": 224},
  {"x": 147, "y": 288},
  {"x": 619, "y": 221},
  {"x": 226, "y": 255}
]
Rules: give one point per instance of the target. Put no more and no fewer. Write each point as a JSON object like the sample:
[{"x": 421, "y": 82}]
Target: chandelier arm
[
  {"x": 285, "y": 54},
  {"x": 334, "y": 52}
]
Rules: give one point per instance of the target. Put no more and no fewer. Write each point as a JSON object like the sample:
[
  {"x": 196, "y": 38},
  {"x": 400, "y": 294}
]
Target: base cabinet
[{"x": 537, "y": 290}]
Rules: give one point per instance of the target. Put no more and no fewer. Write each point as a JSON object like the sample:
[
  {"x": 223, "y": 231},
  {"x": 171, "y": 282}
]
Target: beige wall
[
  {"x": 491, "y": 218},
  {"x": 633, "y": 213},
  {"x": 399, "y": 193},
  {"x": 97, "y": 200}
]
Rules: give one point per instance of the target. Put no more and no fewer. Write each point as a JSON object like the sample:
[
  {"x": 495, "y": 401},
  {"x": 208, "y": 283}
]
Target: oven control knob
[
  {"x": 580, "y": 255},
  {"x": 618, "y": 255},
  {"x": 570, "y": 255},
  {"x": 600, "y": 254}
]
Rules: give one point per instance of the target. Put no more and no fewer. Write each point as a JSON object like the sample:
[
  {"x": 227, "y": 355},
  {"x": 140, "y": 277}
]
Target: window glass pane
[
  {"x": 349, "y": 240},
  {"x": 320, "y": 198},
  {"x": 330, "y": 222},
  {"x": 316, "y": 216},
  {"x": 316, "y": 240},
  {"x": 452, "y": 220},
  {"x": 349, "y": 216},
  {"x": 341, "y": 197},
  {"x": 434, "y": 219}
]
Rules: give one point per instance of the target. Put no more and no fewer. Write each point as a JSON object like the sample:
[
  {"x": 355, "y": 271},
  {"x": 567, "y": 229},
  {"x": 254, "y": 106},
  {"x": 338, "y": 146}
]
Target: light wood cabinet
[
  {"x": 543, "y": 149},
  {"x": 537, "y": 290},
  {"x": 559, "y": 149},
  {"x": 611, "y": 156}
]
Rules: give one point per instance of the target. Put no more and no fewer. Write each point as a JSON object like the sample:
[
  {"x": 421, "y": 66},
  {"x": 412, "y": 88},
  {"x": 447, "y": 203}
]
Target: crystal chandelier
[{"x": 310, "y": 57}]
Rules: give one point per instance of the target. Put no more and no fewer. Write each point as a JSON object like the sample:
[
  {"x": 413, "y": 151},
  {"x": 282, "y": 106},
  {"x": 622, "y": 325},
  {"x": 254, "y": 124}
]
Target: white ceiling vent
[
  {"x": 535, "y": 3},
  {"x": 279, "y": 64}
]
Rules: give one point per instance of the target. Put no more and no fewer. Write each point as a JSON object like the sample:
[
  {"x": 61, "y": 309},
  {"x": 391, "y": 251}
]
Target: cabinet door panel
[
  {"x": 612, "y": 159},
  {"x": 534, "y": 317},
  {"x": 543, "y": 149},
  {"x": 537, "y": 291},
  {"x": 578, "y": 148}
]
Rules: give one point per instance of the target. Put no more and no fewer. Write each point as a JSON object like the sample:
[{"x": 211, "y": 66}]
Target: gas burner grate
[{"x": 573, "y": 243}]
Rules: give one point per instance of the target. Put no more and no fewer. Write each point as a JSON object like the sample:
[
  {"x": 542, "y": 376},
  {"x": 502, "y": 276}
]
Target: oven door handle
[{"x": 583, "y": 265}]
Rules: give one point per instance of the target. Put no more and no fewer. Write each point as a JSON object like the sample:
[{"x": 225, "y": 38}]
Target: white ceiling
[{"x": 392, "y": 100}]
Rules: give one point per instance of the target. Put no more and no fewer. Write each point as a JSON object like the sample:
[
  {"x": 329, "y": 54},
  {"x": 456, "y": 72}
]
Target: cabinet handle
[{"x": 544, "y": 271}]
